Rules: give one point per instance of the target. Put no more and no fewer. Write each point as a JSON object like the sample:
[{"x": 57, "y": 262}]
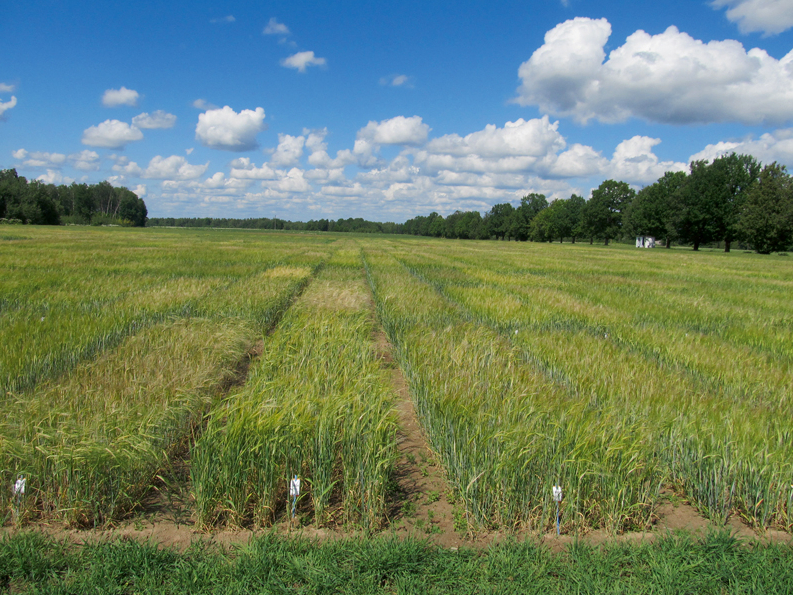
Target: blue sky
[{"x": 307, "y": 110}]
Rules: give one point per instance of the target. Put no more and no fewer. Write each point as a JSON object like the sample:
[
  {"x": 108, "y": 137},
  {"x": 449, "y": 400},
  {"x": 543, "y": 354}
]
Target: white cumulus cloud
[
  {"x": 243, "y": 169},
  {"x": 85, "y": 160},
  {"x": 769, "y": 147},
  {"x": 203, "y": 105},
  {"x": 42, "y": 159},
  {"x": 7, "y": 105},
  {"x": 396, "y": 131},
  {"x": 122, "y": 96},
  {"x": 396, "y": 80},
  {"x": 228, "y": 130},
  {"x": 767, "y": 16},
  {"x": 125, "y": 166},
  {"x": 140, "y": 190},
  {"x": 302, "y": 60},
  {"x": 6, "y": 88},
  {"x": 289, "y": 151},
  {"x": 634, "y": 161},
  {"x": 158, "y": 119},
  {"x": 19, "y": 154},
  {"x": 669, "y": 78},
  {"x": 273, "y": 27},
  {"x": 53, "y": 176},
  {"x": 111, "y": 134},
  {"x": 174, "y": 167}
]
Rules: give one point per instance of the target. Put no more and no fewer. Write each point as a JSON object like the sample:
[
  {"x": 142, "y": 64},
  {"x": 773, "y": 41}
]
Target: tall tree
[
  {"x": 499, "y": 219},
  {"x": 552, "y": 223},
  {"x": 698, "y": 211},
  {"x": 737, "y": 174},
  {"x": 575, "y": 207},
  {"x": 602, "y": 215},
  {"x": 530, "y": 206},
  {"x": 766, "y": 220},
  {"x": 651, "y": 212}
]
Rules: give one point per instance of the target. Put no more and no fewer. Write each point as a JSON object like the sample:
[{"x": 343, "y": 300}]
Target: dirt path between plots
[{"x": 421, "y": 503}]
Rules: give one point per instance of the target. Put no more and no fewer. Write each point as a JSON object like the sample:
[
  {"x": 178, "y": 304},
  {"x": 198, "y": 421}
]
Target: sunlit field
[{"x": 612, "y": 372}]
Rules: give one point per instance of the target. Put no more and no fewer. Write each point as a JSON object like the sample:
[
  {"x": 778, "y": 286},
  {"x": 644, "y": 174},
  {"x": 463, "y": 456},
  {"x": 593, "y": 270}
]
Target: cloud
[
  {"x": 301, "y": 60},
  {"x": 292, "y": 181},
  {"x": 273, "y": 27},
  {"x": 227, "y": 19},
  {"x": 204, "y": 105},
  {"x": 125, "y": 166},
  {"x": 5, "y": 106},
  {"x": 85, "y": 160},
  {"x": 396, "y": 80},
  {"x": 771, "y": 146},
  {"x": 53, "y": 176},
  {"x": 669, "y": 78},
  {"x": 140, "y": 190},
  {"x": 111, "y": 134},
  {"x": 520, "y": 147},
  {"x": 41, "y": 158},
  {"x": 122, "y": 96},
  {"x": 19, "y": 154},
  {"x": 289, "y": 151},
  {"x": 243, "y": 169},
  {"x": 6, "y": 88},
  {"x": 228, "y": 130},
  {"x": 318, "y": 151},
  {"x": 159, "y": 119},
  {"x": 174, "y": 167},
  {"x": 396, "y": 131},
  {"x": 634, "y": 161},
  {"x": 767, "y": 16}
]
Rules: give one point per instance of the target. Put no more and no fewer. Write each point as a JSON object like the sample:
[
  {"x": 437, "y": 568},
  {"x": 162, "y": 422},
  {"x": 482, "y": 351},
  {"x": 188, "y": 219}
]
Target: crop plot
[
  {"x": 316, "y": 405},
  {"x": 610, "y": 372}
]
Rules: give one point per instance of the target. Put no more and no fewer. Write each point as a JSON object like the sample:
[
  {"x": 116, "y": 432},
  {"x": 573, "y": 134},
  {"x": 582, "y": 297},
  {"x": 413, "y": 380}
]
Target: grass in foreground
[{"x": 718, "y": 563}]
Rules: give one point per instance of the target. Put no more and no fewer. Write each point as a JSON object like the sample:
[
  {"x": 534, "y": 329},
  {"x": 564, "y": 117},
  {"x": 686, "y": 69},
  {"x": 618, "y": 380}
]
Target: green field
[{"x": 610, "y": 371}]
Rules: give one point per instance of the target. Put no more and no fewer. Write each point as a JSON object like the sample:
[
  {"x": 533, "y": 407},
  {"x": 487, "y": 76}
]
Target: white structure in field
[{"x": 645, "y": 242}]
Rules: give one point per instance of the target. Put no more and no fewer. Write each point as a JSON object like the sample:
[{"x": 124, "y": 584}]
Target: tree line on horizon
[
  {"x": 732, "y": 199},
  {"x": 38, "y": 203}
]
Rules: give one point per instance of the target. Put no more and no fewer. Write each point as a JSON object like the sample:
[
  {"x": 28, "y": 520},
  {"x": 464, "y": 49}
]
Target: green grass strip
[{"x": 717, "y": 563}]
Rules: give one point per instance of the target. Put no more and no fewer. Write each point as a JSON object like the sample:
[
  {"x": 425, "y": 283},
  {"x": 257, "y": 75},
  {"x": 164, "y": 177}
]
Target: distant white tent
[{"x": 645, "y": 242}]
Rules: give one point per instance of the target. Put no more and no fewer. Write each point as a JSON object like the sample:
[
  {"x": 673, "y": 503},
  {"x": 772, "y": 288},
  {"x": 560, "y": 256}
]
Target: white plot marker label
[
  {"x": 557, "y": 497},
  {"x": 294, "y": 492},
  {"x": 19, "y": 487}
]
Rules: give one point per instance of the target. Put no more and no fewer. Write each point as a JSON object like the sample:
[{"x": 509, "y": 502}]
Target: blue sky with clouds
[{"x": 386, "y": 111}]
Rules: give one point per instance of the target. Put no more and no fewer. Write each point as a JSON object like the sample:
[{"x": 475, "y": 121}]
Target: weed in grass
[{"x": 408, "y": 508}]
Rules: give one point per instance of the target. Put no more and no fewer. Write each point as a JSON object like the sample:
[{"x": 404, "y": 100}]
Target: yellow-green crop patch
[{"x": 609, "y": 371}]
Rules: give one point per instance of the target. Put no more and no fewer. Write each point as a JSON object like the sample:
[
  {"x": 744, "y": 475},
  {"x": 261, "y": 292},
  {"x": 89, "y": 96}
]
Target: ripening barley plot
[
  {"x": 506, "y": 432},
  {"x": 709, "y": 381},
  {"x": 316, "y": 405},
  {"x": 68, "y": 295},
  {"x": 91, "y": 439}
]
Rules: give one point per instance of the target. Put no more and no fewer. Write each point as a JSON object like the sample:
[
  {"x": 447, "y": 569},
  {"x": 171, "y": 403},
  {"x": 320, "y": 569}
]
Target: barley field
[{"x": 615, "y": 373}]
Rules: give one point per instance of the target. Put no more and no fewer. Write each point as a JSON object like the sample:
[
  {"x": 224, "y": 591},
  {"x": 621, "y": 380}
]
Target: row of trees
[
  {"x": 351, "y": 225},
  {"x": 734, "y": 198},
  {"x": 38, "y": 203}
]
